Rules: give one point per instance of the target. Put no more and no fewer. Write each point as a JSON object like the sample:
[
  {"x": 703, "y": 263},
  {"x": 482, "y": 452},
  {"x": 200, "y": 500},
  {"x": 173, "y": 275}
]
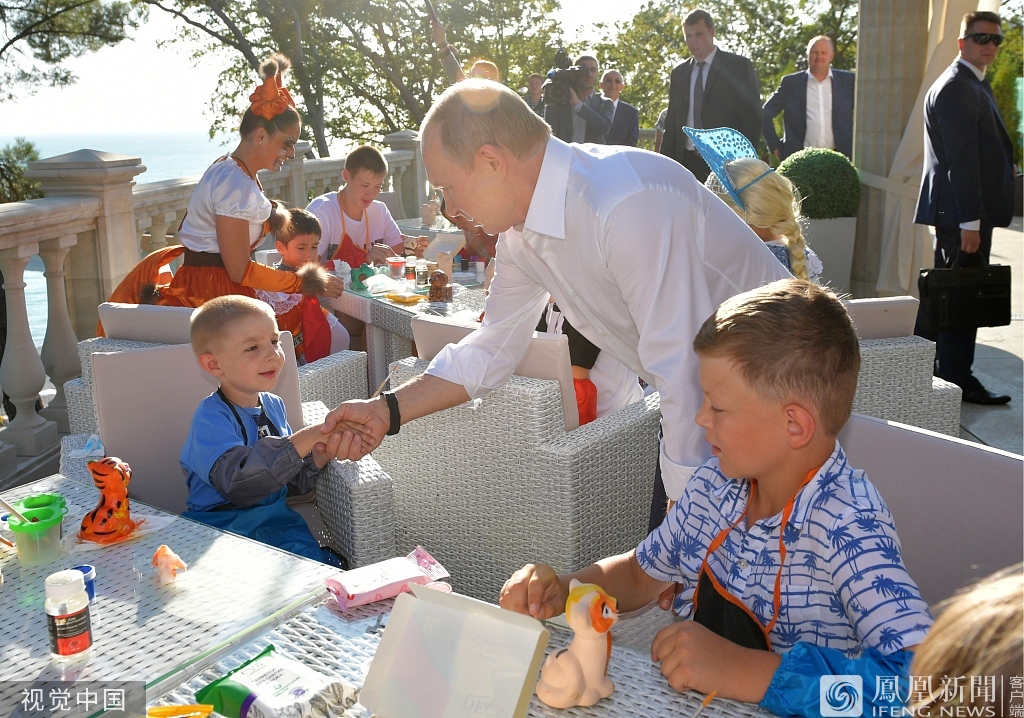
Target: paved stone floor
[{"x": 999, "y": 358}]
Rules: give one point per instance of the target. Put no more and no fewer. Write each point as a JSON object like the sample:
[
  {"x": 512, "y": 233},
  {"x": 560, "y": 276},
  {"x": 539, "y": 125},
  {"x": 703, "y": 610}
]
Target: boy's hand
[
  {"x": 668, "y": 596},
  {"x": 378, "y": 253},
  {"x": 534, "y": 590},
  {"x": 694, "y": 658},
  {"x": 362, "y": 424},
  {"x": 335, "y": 287},
  {"x": 324, "y": 451}
]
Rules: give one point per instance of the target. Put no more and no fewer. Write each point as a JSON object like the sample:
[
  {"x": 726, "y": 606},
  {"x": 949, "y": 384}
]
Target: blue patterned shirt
[{"x": 844, "y": 585}]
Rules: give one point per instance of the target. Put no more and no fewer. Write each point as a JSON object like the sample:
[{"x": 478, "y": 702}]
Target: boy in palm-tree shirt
[{"x": 787, "y": 558}]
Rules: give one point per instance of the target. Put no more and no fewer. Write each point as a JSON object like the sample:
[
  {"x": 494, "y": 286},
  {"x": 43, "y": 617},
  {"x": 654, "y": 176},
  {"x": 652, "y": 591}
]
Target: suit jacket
[
  {"x": 597, "y": 112},
  {"x": 968, "y": 155},
  {"x": 791, "y": 99},
  {"x": 625, "y": 128},
  {"x": 732, "y": 98}
]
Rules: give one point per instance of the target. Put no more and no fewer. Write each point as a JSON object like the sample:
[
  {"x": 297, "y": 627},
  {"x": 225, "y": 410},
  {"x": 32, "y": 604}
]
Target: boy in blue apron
[
  {"x": 241, "y": 457},
  {"x": 787, "y": 557}
]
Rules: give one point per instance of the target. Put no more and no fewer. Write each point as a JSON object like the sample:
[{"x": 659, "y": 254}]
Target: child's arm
[{"x": 536, "y": 590}]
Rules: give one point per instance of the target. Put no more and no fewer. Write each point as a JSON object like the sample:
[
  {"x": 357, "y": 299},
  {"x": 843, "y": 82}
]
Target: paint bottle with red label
[{"x": 67, "y": 616}]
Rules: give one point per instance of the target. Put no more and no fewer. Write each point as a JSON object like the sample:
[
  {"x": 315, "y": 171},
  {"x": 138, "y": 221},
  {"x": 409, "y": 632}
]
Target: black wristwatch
[{"x": 396, "y": 416}]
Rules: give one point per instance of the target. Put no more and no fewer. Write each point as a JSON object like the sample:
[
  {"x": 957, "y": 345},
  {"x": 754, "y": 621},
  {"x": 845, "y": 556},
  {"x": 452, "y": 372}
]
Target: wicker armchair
[{"x": 495, "y": 484}]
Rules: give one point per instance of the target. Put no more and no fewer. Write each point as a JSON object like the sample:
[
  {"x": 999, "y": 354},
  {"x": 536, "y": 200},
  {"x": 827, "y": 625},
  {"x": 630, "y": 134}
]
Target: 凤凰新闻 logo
[{"x": 841, "y": 696}]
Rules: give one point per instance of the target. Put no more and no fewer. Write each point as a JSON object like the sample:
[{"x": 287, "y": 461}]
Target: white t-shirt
[
  {"x": 328, "y": 211},
  {"x": 226, "y": 191}
]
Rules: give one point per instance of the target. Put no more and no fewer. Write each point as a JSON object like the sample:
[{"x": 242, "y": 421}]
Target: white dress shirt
[
  {"x": 974, "y": 224},
  {"x": 693, "y": 83},
  {"x": 819, "y": 112},
  {"x": 637, "y": 254}
]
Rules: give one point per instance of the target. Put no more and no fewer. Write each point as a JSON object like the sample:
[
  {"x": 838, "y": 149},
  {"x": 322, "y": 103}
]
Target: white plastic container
[{"x": 67, "y": 616}]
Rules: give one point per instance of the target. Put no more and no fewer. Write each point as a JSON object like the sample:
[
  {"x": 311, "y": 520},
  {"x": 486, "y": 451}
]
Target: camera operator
[{"x": 591, "y": 114}]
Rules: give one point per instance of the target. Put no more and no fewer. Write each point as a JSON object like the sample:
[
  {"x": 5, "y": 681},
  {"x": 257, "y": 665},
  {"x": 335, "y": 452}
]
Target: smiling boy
[{"x": 241, "y": 456}]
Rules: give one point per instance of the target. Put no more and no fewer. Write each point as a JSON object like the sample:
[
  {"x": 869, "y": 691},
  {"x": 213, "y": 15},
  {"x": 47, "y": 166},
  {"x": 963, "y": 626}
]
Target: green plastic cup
[{"x": 38, "y": 540}]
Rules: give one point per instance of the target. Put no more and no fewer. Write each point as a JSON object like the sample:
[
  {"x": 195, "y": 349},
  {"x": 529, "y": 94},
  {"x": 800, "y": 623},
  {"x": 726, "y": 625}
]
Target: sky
[{"x": 137, "y": 87}]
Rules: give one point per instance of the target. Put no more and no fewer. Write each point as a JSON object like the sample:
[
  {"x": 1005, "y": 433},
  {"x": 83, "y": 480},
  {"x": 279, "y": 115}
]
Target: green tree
[
  {"x": 1005, "y": 73},
  {"x": 38, "y": 36},
  {"x": 360, "y": 69},
  {"x": 14, "y": 186}
]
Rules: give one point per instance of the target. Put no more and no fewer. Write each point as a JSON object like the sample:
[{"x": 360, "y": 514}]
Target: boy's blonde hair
[
  {"x": 773, "y": 203},
  {"x": 210, "y": 320},
  {"x": 980, "y": 632},
  {"x": 790, "y": 339}
]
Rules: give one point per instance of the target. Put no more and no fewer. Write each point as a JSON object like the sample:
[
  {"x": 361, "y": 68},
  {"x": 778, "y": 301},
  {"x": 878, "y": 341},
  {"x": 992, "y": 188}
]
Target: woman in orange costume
[{"x": 229, "y": 215}]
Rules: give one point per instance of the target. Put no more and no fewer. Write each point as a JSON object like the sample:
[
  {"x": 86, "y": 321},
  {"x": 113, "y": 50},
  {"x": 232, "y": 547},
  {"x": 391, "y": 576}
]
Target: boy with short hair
[
  {"x": 316, "y": 332},
  {"x": 787, "y": 557},
  {"x": 357, "y": 227},
  {"x": 241, "y": 456}
]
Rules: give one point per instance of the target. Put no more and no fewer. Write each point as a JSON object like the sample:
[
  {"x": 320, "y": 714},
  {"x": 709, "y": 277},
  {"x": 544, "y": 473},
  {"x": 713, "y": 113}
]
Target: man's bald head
[{"x": 474, "y": 113}]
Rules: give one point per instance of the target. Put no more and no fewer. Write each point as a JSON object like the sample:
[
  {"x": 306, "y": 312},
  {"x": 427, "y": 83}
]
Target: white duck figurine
[{"x": 578, "y": 675}]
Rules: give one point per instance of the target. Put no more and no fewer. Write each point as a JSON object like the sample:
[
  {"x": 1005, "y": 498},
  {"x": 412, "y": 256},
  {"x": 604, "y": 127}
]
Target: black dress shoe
[{"x": 982, "y": 395}]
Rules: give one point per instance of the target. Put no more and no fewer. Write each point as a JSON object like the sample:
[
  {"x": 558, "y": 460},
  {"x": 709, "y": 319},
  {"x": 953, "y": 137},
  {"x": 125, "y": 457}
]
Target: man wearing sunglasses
[{"x": 967, "y": 184}]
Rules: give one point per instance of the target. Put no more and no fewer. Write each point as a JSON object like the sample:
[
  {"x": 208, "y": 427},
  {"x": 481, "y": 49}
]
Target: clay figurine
[
  {"x": 111, "y": 520},
  {"x": 167, "y": 564},
  {"x": 360, "y": 275},
  {"x": 438, "y": 287},
  {"x": 578, "y": 675}
]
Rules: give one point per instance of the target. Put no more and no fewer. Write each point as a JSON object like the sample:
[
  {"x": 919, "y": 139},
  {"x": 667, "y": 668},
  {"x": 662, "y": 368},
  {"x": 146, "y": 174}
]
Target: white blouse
[{"x": 225, "y": 190}]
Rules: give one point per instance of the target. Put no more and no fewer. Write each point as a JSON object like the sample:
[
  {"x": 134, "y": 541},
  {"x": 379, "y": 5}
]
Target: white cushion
[
  {"x": 547, "y": 356},
  {"x": 145, "y": 400},
  {"x": 146, "y": 322},
  {"x": 883, "y": 317}
]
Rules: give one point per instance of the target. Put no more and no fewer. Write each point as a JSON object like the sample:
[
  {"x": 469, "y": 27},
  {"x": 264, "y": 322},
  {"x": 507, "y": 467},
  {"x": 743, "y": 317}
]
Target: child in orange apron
[
  {"x": 316, "y": 332},
  {"x": 786, "y": 557}
]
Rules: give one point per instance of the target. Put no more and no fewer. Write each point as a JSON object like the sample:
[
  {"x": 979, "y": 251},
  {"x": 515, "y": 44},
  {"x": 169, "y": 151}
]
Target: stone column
[
  {"x": 413, "y": 192},
  {"x": 21, "y": 371},
  {"x": 98, "y": 262},
  {"x": 892, "y": 37},
  {"x": 60, "y": 347}
]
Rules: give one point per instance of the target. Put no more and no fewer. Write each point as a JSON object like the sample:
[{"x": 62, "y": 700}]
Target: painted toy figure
[
  {"x": 438, "y": 287},
  {"x": 578, "y": 675},
  {"x": 167, "y": 564},
  {"x": 111, "y": 520}
]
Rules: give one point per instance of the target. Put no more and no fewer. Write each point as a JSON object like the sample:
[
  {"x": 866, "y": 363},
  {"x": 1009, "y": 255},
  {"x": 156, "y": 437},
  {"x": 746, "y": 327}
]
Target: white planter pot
[{"x": 832, "y": 240}]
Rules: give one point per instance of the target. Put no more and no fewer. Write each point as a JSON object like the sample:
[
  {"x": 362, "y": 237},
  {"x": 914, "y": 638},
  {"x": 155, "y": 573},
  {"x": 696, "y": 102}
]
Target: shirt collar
[
  {"x": 812, "y": 77},
  {"x": 707, "y": 60},
  {"x": 834, "y": 466},
  {"x": 547, "y": 206},
  {"x": 980, "y": 74}
]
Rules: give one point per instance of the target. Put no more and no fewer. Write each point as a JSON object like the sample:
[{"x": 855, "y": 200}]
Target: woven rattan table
[
  {"x": 342, "y": 646},
  {"x": 389, "y": 324},
  {"x": 234, "y": 589}
]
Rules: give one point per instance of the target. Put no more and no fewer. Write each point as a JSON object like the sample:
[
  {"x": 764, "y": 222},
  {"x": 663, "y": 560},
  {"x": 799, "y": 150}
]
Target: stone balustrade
[{"x": 92, "y": 227}]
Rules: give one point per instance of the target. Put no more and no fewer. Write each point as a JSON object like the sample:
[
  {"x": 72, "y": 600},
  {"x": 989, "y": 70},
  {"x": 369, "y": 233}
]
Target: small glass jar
[
  {"x": 422, "y": 275},
  {"x": 410, "y": 269},
  {"x": 67, "y": 616}
]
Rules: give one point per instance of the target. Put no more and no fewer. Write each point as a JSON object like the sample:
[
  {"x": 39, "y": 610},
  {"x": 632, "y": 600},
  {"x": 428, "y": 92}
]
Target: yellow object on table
[
  {"x": 404, "y": 297},
  {"x": 199, "y": 710}
]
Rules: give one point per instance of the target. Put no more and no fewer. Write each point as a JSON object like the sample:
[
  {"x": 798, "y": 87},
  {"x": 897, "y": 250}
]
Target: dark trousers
[
  {"x": 659, "y": 501},
  {"x": 954, "y": 348},
  {"x": 692, "y": 161}
]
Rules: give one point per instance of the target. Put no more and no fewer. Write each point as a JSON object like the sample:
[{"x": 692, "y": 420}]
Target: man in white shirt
[
  {"x": 817, "y": 105},
  {"x": 634, "y": 251}
]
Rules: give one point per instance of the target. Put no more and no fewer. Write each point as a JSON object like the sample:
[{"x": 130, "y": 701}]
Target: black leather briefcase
[{"x": 964, "y": 297}]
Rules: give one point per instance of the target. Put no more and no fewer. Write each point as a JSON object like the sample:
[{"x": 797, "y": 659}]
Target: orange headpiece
[{"x": 271, "y": 98}]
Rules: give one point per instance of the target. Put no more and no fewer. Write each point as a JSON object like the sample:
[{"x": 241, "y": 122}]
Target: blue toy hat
[{"x": 719, "y": 147}]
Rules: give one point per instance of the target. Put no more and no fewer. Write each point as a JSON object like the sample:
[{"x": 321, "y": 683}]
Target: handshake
[{"x": 351, "y": 431}]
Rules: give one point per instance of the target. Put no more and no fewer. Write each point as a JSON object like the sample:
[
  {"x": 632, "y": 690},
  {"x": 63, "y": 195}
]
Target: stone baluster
[
  {"x": 160, "y": 224},
  {"x": 396, "y": 187},
  {"x": 297, "y": 175},
  {"x": 60, "y": 346},
  {"x": 414, "y": 181},
  {"x": 179, "y": 217},
  {"x": 21, "y": 372}
]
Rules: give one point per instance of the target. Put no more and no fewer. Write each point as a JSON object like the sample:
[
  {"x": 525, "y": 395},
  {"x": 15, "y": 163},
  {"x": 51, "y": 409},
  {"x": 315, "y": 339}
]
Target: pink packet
[{"x": 385, "y": 579}]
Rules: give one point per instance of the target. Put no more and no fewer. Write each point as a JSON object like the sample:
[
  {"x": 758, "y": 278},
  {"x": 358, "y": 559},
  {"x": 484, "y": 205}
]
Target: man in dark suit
[
  {"x": 625, "y": 129},
  {"x": 729, "y": 94},
  {"x": 817, "y": 105},
  {"x": 967, "y": 184}
]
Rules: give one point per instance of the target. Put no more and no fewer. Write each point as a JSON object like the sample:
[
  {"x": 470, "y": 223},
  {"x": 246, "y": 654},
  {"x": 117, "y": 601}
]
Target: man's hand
[
  {"x": 693, "y": 657},
  {"x": 379, "y": 252},
  {"x": 970, "y": 240},
  {"x": 573, "y": 99},
  {"x": 362, "y": 423},
  {"x": 335, "y": 287},
  {"x": 534, "y": 590}
]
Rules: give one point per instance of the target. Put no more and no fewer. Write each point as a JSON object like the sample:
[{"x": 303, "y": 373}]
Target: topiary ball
[{"x": 827, "y": 181}]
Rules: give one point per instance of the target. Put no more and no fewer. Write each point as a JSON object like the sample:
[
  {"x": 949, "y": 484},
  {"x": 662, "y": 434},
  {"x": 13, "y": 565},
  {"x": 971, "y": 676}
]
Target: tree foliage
[
  {"x": 772, "y": 33},
  {"x": 1005, "y": 74},
  {"x": 37, "y": 37},
  {"x": 361, "y": 68},
  {"x": 14, "y": 186}
]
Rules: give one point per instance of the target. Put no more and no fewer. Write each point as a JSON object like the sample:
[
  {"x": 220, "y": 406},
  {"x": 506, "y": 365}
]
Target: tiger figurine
[
  {"x": 111, "y": 520},
  {"x": 578, "y": 675}
]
